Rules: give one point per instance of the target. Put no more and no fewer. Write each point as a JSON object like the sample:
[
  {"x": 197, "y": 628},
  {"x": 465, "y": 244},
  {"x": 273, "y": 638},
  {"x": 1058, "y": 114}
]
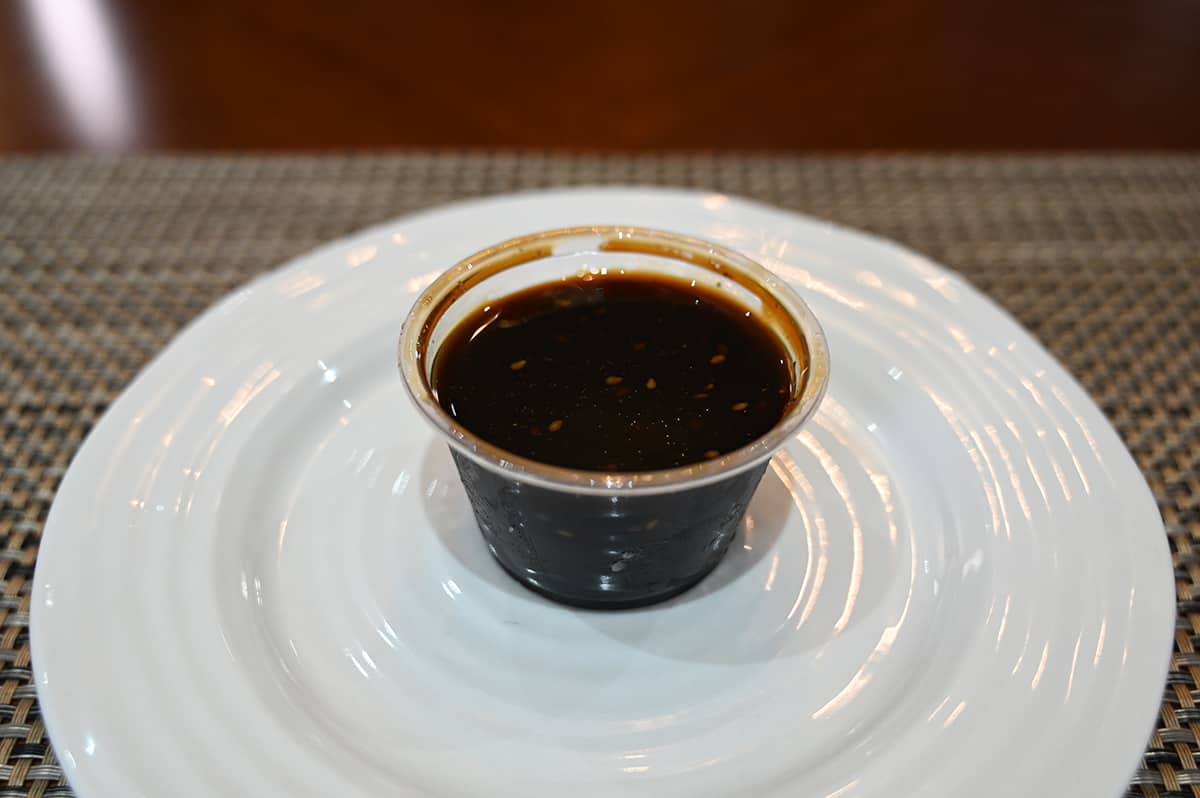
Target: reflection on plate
[{"x": 953, "y": 580}]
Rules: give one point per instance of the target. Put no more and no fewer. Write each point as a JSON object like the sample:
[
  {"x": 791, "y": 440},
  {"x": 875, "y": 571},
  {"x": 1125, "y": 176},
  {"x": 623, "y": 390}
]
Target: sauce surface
[{"x": 614, "y": 373}]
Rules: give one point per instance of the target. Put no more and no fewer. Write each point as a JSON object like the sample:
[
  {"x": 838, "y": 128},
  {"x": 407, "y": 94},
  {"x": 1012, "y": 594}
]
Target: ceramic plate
[{"x": 261, "y": 575}]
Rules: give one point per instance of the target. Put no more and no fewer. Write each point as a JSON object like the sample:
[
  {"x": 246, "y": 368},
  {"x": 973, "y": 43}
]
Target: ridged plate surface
[{"x": 950, "y": 582}]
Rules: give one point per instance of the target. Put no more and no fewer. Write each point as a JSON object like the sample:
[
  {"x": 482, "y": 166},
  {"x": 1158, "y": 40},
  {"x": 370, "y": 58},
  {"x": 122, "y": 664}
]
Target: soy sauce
[{"x": 616, "y": 372}]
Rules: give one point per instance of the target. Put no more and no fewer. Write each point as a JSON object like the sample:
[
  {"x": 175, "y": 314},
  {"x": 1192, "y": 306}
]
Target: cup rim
[{"x": 433, "y": 302}]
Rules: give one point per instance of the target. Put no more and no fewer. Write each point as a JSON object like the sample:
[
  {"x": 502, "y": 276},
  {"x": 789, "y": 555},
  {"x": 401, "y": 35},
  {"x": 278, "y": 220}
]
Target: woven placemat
[{"x": 102, "y": 261}]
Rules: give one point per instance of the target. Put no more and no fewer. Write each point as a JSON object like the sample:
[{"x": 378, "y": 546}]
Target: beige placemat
[{"x": 102, "y": 261}]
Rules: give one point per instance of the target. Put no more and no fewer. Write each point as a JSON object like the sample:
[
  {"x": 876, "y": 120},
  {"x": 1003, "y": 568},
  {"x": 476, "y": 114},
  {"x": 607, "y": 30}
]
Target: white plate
[{"x": 261, "y": 577}]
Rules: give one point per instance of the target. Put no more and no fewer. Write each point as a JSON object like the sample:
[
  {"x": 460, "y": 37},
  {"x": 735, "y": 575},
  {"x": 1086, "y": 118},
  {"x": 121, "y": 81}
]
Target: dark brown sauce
[{"x": 614, "y": 373}]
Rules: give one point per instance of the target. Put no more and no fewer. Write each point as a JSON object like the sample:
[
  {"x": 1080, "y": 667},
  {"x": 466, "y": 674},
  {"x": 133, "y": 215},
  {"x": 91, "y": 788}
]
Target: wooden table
[{"x": 760, "y": 74}]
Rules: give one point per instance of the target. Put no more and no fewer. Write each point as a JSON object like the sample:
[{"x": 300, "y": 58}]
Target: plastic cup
[{"x": 594, "y": 538}]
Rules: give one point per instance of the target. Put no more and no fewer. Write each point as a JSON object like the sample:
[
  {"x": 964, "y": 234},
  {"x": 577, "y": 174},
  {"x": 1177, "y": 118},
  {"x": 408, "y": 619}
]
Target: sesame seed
[
  {"x": 740, "y": 406},
  {"x": 711, "y": 453},
  {"x": 613, "y": 380},
  {"x": 639, "y": 346},
  {"x": 699, "y": 396},
  {"x": 555, "y": 425},
  {"x": 651, "y": 384},
  {"x": 716, "y": 359},
  {"x": 517, "y": 365}
]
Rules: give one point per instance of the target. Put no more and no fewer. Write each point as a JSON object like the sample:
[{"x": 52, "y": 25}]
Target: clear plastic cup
[{"x": 595, "y": 538}]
